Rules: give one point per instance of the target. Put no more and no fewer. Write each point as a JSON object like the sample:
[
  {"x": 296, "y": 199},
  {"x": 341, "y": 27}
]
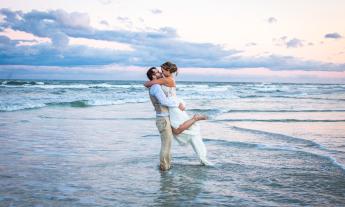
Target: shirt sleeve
[{"x": 157, "y": 92}]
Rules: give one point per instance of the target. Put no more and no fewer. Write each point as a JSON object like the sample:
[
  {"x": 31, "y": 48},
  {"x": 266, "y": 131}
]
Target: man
[{"x": 161, "y": 104}]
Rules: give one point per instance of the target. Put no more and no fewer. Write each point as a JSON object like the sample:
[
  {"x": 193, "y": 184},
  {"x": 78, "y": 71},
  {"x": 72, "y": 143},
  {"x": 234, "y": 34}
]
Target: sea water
[{"x": 95, "y": 143}]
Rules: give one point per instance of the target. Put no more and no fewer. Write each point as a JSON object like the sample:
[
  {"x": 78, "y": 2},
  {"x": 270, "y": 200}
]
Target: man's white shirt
[{"x": 156, "y": 91}]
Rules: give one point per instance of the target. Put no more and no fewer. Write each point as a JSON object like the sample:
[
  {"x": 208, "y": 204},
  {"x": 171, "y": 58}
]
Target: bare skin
[
  {"x": 188, "y": 123},
  {"x": 169, "y": 81},
  {"x": 162, "y": 78}
]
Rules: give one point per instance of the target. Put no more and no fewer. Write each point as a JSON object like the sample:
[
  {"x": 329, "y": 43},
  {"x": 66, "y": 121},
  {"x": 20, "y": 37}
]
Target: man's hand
[{"x": 181, "y": 107}]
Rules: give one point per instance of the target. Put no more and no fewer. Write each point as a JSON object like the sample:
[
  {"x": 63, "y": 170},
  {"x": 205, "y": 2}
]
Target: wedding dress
[{"x": 191, "y": 135}]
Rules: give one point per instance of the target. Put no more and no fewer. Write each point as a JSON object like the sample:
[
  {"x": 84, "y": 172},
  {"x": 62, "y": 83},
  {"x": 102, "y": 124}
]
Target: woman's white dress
[{"x": 190, "y": 136}]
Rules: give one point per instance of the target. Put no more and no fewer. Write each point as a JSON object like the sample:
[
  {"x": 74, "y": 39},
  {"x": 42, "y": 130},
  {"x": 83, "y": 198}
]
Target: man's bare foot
[
  {"x": 166, "y": 168},
  {"x": 198, "y": 117}
]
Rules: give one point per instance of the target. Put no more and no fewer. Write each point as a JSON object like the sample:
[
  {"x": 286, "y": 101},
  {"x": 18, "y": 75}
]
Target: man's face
[{"x": 156, "y": 74}]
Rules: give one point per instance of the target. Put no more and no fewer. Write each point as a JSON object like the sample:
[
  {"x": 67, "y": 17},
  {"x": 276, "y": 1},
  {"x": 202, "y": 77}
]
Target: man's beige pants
[{"x": 164, "y": 128}]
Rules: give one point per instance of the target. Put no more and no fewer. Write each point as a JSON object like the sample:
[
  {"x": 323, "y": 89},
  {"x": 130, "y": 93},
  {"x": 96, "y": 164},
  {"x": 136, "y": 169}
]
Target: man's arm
[{"x": 157, "y": 91}]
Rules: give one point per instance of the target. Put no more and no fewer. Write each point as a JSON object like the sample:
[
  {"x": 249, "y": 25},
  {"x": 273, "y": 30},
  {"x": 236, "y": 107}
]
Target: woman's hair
[
  {"x": 150, "y": 72},
  {"x": 171, "y": 67}
]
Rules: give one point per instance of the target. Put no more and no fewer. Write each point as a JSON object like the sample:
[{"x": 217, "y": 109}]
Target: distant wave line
[
  {"x": 285, "y": 111},
  {"x": 278, "y": 120},
  {"x": 77, "y": 104},
  {"x": 100, "y": 119}
]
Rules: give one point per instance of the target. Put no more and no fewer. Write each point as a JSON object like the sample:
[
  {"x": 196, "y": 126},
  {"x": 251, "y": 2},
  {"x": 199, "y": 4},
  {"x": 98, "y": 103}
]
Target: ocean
[{"x": 95, "y": 143}]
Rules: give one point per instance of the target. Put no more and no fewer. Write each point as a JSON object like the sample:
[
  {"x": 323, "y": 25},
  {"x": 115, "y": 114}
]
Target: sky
[{"x": 222, "y": 40}]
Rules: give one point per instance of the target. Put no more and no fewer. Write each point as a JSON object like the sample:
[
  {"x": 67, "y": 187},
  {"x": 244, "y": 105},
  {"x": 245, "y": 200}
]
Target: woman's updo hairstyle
[{"x": 169, "y": 66}]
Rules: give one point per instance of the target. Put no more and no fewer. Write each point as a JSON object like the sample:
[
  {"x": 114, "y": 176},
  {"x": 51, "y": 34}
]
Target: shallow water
[{"x": 268, "y": 151}]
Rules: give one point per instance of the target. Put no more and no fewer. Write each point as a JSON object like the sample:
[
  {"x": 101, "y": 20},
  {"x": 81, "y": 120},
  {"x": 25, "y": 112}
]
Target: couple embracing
[{"x": 171, "y": 119}]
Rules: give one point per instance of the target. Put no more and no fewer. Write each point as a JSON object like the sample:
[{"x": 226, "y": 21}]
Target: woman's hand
[{"x": 147, "y": 84}]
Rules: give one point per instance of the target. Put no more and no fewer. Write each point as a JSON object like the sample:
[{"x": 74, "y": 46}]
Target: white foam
[
  {"x": 75, "y": 86},
  {"x": 21, "y": 107}
]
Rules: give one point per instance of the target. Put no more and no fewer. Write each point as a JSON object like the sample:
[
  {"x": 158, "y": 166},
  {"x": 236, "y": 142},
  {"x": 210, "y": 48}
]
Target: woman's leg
[
  {"x": 189, "y": 123},
  {"x": 200, "y": 149}
]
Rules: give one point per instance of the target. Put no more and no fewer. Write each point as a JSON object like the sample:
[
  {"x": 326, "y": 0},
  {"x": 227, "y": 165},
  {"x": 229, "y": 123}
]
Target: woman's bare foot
[{"x": 198, "y": 117}]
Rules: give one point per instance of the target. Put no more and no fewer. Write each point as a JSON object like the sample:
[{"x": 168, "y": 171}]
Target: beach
[{"x": 95, "y": 143}]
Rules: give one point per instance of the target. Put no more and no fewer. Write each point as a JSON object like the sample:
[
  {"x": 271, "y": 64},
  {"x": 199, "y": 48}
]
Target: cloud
[
  {"x": 156, "y": 11},
  {"x": 251, "y": 44},
  {"x": 271, "y": 20},
  {"x": 294, "y": 43},
  {"x": 104, "y": 22},
  {"x": 148, "y": 48},
  {"x": 289, "y": 43},
  {"x": 105, "y": 2},
  {"x": 125, "y": 21},
  {"x": 333, "y": 35}
]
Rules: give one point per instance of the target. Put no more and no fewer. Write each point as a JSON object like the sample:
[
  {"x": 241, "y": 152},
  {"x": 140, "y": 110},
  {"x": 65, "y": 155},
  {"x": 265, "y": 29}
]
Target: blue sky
[{"x": 225, "y": 40}]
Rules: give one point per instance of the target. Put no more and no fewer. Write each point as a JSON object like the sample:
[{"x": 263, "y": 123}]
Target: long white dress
[{"x": 190, "y": 136}]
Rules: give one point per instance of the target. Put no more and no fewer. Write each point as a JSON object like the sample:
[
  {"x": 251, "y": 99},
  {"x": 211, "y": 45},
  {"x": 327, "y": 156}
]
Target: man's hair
[{"x": 150, "y": 73}]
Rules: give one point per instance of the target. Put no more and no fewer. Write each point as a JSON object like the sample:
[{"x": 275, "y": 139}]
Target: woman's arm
[{"x": 161, "y": 81}]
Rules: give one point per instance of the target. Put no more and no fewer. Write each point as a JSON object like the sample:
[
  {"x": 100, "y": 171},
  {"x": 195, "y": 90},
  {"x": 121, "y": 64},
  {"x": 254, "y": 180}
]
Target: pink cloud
[
  {"x": 118, "y": 72},
  {"x": 100, "y": 44},
  {"x": 266, "y": 74},
  {"x": 20, "y": 35},
  {"x": 263, "y": 72}
]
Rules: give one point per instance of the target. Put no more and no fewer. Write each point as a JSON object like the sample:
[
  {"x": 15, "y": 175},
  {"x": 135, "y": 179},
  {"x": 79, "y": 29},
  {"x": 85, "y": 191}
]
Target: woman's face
[{"x": 166, "y": 73}]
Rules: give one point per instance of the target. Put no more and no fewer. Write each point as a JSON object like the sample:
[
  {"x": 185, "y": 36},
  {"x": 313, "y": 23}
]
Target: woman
[{"x": 185, "y": 129}]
